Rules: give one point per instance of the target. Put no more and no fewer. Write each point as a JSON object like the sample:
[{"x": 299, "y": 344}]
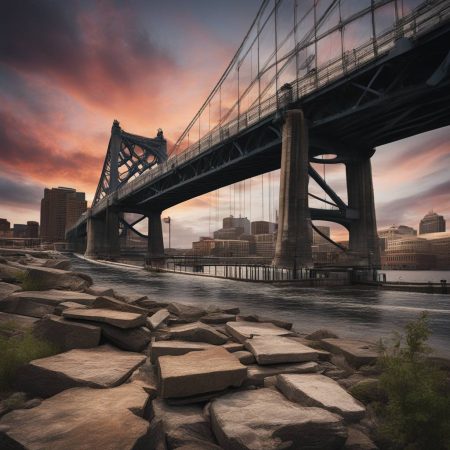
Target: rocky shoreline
[{"x": 134, "y": 372}]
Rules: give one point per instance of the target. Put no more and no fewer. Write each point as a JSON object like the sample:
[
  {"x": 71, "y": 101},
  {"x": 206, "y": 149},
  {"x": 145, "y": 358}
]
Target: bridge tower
[{"x": 294, "y": 239}]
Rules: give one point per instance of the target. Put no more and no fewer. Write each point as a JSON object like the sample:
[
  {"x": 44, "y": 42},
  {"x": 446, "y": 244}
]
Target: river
[{"x": 349, "y": 312}]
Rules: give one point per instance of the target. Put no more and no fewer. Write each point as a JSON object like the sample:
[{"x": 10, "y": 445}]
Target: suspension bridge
[{"x": 313, "y": 81}]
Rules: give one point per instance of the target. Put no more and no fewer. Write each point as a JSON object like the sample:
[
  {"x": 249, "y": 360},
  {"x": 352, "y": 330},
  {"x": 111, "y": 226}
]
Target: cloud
[{"x": 17, "y": 191}]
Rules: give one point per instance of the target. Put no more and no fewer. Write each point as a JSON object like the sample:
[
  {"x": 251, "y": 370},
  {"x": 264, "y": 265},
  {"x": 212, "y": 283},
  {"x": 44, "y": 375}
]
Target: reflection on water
[{"x": 350, "y": 312}]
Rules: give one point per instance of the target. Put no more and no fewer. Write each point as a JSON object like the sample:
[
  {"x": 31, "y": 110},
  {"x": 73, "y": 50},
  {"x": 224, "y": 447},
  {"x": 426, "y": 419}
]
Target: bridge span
[{"x": 394, "y": 84}]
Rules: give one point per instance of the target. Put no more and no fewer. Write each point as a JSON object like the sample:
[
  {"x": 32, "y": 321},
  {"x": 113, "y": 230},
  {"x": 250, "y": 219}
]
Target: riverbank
[{"x": 194, "y": 376}]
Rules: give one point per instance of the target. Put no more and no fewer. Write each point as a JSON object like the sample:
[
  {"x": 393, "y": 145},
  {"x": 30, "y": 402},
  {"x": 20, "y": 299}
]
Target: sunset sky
[{"x": 67, "y": 69}]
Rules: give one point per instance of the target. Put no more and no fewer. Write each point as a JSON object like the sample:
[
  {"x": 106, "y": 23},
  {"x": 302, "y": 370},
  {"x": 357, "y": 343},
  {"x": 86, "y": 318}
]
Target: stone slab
[
  {"x": 80, "y": 418},
  {"x": 132, "y": 339},
  {"x": 319, "y": 390},
  {"x": 25, "y": 307},
  {"x": 241, "y": 330},
  {"x": 99, "y": 367},
  {"x": 263, "y": 419},
  {"x": 54, "y": 297},
  {"x": 357, "y": 353},
  {"x": 199, "y": 372},
  {"x": 198, "y": 332},
  {"x": 157, "y": 319},
  {"x": 245, "y": 357},
  {"x": 256, "y": 374},
  {"x": 65, "y": 334},
  {"x": 182, "y": 426},
  {"x": 233, "y": 347},
  {"x": 68, "y": 305},
  {"x": 48, "y": 278},
  {"x": 6, "y": 289},
  {"x": 175, "y": 348},
  {"x": 261, "y": 319},
  {"x": 21, "y": 322},
  {"x": 120, "y": 319},
  {"x": 217, "y": 318},
  {"x": 188, "y": 312},
  {"x": 279, "y": 350},
  {"x": 116, "y": 305}
]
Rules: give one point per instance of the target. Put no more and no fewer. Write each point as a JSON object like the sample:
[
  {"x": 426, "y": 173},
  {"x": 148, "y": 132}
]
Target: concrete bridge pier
[
  {"x": 103, "y": 236},
  {"x": 294, "y": 239},
  {"x": 363, "y": 237},
  {"x": 155, "y": 249}
]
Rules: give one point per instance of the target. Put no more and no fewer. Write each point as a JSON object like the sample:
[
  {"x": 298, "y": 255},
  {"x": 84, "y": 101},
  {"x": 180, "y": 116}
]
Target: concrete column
[
  {"x": 294, "y": 239},
  {"x": 114, "y": 150},
  {"x": 155, "y": 237},
  {"x": 103, "y": 236},
  {"x": 363, "y": 237}
]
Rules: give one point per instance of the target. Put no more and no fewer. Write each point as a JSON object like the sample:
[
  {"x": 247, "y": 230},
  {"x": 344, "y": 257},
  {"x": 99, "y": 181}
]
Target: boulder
[
  {"x": 175, "y": 348},
  {"x": 6, "y": 289},
  {"x": 357, "y": 440},
  {"x": 99, "y": 367},
  {"x": 48, "y": 278},
  {"x": 17, "y": 321},
  {"x": 256, "y": 374},
  {"x": 357, "y": 353},
  {"x": 188, "y": 312},
  {"x": 245, "y": 357},
  {"x": 198, "y": 332},
  {"x": 54, "y": 297},
  {"x": 10, "y": 273},
  {"x": 80, "y": 418},
  {"x": 279, "y": 350},
  {"x": 216, "y": 318},
  {"x": 157, "y": 319},
  {"x": 233, "y": 347},
  {"x": 63, "y": 264},
  {"x": 120, "y": 319},
  {"x": 264, "y": 419},
  {"x": 133, "y": 339},
  {"x": 65, "y": 334},
  {"x": 68, "y": 305},
  {"x": 242, "y": 331},
  {"x": 256, "y": 318},
  {"x": 183, "y": 426},
  {"x": 318, "y": 390},
  {"x": 199, "y": 372},
  {"x": 116, "y": 305}
]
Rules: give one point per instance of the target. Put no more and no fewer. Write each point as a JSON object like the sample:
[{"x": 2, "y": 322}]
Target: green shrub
[
  {"x": 416, "y": 415},
  {"x": 31, "y": 284},
  {"x": 17, "y": 351}
]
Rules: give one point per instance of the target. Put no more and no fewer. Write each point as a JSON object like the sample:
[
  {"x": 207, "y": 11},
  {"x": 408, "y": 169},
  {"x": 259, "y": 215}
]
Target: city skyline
[{"x": 67, "y": 104}]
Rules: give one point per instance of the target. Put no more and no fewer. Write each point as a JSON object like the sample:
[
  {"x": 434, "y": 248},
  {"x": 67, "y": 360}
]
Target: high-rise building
[
  {"x": 60, "y": 208},
  {"x": 432, "y": 223},
  {"x": 32, "y": 230},
  {"x": 394, "y": 232},
  {"x": 5, "y": 227},
  {"x": 263, "y": 227},
  {"x": 20, "y": 230},
  {"x": 237, "y": 222}
]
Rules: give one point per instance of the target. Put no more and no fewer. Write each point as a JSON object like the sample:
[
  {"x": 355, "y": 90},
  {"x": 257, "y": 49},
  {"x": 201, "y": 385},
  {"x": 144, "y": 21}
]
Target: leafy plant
[
  {"x": 416, "y": 415},
  {"x": 31, "y": 284},
  {"x": 19, "y": 350}
]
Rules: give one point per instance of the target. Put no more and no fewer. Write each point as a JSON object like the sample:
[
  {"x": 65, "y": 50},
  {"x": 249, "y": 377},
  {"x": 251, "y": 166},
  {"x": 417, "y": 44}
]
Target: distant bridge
[{"x": 336, "y": 77}]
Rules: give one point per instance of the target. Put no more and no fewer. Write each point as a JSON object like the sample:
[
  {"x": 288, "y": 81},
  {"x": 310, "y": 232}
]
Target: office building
[
  {"x": 432, "y": 223},
  {"x": 237, "y": 222},
  {"x": 263, "y": 227},
  {"x": 20, "y": 230},
  {"x": 5, "y": 228},
  {"x": 408, "y": 253},
  {"x": 32, "y": 229},
  {"x": 60, "y": 208}
]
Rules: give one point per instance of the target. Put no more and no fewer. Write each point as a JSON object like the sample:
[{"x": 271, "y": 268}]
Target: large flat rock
[
  {"x": 54, "y": 297},
  {"x": 48, "y": 278},
  {"x": 6, "y": 289},
  {"x": 9, "y": 273},
  {"x": 242, "y": 330},
  {"x": 319, "y": 390},
  {"x": 279, "y": 350},
  {"x": 67, "y": 335},
  {"x": 264, "y": 419},
  {"x": 199, "y": 372},
  {"x": 256, "y": 374},
  {"x": 182, "y": 426},
  {"x": 120, "y": 319},
  {"x": 175, "y": 348},
  {"x": 157, "y": 319},
  {"x": 198, "y": 332},
  {"x": 116, "y": 305},
  {"x": 256, "y": 318},
  {"x": 217, "y": 318},
  {"x": 80, "y": 418},
  {"x": 357, "y": 353},
  {"x": 15, "y": 320},
  {"x": 187, "y": 312},
  {"x": 25, "y": 307},
  {"x": 133, "y": 339},
  {"x": 99, "y": 367}
]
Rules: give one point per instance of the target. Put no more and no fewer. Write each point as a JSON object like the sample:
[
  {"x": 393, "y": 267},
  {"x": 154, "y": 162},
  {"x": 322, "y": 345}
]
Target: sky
[{"x": 68, "y": 69}]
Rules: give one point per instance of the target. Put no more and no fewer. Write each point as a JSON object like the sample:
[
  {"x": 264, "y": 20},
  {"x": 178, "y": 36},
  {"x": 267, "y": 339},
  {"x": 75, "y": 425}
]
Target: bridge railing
[{"x": 416, "y": 23}]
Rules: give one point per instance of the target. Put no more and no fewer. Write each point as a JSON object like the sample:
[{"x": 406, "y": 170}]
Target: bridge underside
[{"x": 398, "y": 95}]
